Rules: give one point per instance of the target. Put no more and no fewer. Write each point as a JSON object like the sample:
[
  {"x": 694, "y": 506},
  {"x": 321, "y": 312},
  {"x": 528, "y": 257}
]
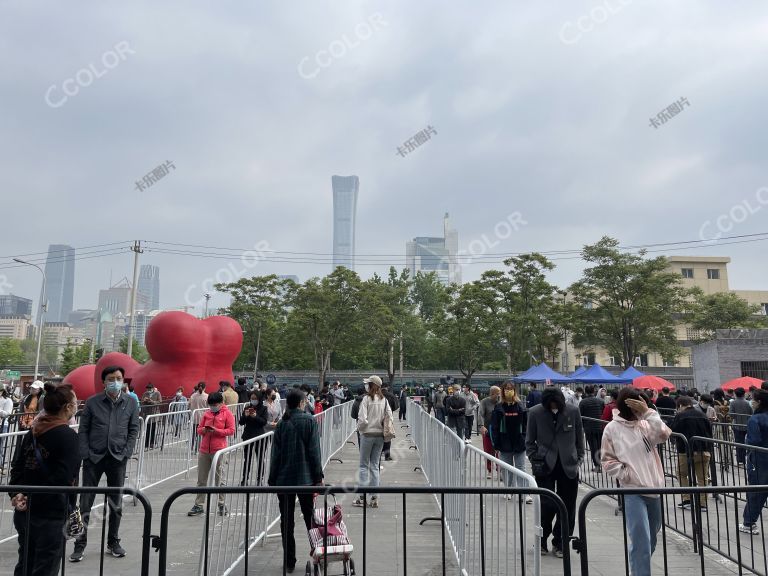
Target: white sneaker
[
  {"x": 489, "y": 476},
  {"x": 528, "y": 500},
  {"x": 508, "y": 496},
  {"x": 752, "y": 529}
]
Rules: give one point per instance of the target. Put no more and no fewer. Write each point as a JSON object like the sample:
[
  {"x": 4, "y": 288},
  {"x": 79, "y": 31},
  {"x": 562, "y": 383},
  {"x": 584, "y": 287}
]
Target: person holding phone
[
  {"x": 254, "y": 419},
  {"x": 216, "y": 425}
]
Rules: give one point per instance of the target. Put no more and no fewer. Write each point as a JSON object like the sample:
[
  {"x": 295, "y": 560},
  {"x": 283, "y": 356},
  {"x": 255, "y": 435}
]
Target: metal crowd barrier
[
  {"x": 712, "y": 526},
  {"x": 744, "y": 546},
  {"x": 248, "y": 517},
  {"x": 146, "y": 536},
  {"x": 478, "y": 497},
  {"x": 498, "y": 533}
]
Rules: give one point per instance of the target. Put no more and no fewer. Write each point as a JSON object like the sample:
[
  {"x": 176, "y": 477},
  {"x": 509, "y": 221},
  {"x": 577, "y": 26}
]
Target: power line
[
  {"x": 77, "y": 258},
  {"x": 126, "y": 242}
]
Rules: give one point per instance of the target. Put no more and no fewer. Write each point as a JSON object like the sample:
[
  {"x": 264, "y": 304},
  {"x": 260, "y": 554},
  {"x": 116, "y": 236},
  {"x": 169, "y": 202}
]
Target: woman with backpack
[{"x": 371, "y": 421}]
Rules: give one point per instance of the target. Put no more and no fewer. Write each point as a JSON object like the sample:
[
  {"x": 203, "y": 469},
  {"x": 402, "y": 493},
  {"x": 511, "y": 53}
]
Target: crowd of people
[{"x": 543, "y": 431}]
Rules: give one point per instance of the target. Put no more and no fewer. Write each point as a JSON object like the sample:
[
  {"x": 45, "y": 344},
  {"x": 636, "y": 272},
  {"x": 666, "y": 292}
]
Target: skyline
[{"x": 533, "y": 116}]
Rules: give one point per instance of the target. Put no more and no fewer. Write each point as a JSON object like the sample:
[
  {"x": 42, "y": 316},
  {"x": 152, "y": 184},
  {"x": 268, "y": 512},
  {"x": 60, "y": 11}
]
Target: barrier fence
[
  {"x": 244, "y": 519},
  {"x": 478, "y": 497},
  {"x": 32, "y": 522},
  {"x": 492, "y": 533}
]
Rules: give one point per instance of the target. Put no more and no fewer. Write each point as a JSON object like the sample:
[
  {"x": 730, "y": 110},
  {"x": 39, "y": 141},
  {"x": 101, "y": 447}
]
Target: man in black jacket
[
  {"x": 591, "y": 407},
  {"x": 690, "y": 422},
  {"x": 455, "y": 411}
]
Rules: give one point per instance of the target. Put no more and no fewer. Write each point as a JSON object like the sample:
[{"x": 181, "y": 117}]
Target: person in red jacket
[
  {"x": 608, "y": 410},
  {"x": 216, "y": 425}
]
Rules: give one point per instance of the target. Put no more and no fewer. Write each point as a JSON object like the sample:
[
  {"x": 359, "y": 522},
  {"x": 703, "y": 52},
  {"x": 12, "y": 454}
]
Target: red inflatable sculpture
[{"x": 184, "y": 350}]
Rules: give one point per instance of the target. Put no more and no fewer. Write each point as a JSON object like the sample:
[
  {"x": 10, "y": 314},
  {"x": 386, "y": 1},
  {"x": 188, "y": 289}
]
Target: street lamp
[{"x": 41, "y": 314}]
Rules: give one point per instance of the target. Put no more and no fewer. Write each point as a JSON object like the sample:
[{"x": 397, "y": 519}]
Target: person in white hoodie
[
  {"x": 374, "y": 409},
  {"x": 629, "y": 454}
]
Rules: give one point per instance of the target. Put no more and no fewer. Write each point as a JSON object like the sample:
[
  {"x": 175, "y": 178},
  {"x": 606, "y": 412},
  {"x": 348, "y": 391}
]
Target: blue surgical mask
[
  {"x": 115, "y": 387},
  {"x": 215, "y": 409},
  {"x": 254, "y": 402}
]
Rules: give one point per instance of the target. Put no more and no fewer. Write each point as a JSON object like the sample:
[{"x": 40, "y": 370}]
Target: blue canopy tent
[
  {"x": 542, "y": 373},
  {"x": 596, "y": 374},
  {"x": 631, "y": 373},
  {"x": 580, "y": 370}
]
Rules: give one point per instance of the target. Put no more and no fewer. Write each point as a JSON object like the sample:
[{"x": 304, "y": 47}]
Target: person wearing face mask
[
  {"x": 508, "y": 426},
  {"x": 31, "y": 405},
  {"x": 109, "y": 426},
  {"x": 179, "y": 404},
  {"x": 150, "y": 405},
  {"x": 757, "y": 462},
  {"x": 705, "y": 406},
  {"x": 216, "y": 425},
  {"x": 555, "y": 446},
  {"x": 274, "y": 410},
  {"x": 49, "y": 456},
  {"x": 439, "y": 403},
  {"x": 253, "y": 420},
  {"x": 487, "y": 406}
]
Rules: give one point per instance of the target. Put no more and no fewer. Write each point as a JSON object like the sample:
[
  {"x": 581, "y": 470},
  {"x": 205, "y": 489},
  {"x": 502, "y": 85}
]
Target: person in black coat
[
  {"x": 403, "y": 401},
  {"x": 508, "y": 427},
  {"x": 49, "y": 456},
  {"x": 456, "y": 412},
  {"x": 591, "y": 407},
  {"x": 691, "y": 422},
  {"x": 253, "y": 419},
  {"x": 242, "y": 390},
  {"x": 393, "y": 405}
]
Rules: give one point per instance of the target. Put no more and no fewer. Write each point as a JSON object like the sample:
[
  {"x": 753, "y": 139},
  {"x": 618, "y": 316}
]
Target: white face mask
[{"x": 555, "y": 410}]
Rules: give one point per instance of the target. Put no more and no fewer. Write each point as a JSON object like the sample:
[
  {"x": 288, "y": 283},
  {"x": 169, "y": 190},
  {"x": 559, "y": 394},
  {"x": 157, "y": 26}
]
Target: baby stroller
[{"x": 339, "y": 548}]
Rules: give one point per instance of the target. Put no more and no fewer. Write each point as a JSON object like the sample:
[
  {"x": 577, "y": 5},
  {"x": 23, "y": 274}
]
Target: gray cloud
[{"x": 525, "y": 122}]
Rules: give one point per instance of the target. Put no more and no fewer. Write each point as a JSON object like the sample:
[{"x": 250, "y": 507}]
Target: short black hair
[
  {"x": 589, "y": 389},
  {"x": 579, "y": 389},
  {"x": 223, "y": 383},
  {"x": 665, "y": 390},
  {"x": 683, "y": 401},
  {"x": 740, "y": 392},
  {"x": 215, "y": 398},
  {"x": 241, "y": 380},
  {"x": 109, "y": 369}
]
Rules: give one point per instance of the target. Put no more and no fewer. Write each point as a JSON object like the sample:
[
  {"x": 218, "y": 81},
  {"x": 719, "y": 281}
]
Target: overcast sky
[{"x": 539, "y": 108}]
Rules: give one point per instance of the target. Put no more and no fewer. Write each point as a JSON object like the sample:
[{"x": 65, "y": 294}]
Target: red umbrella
[
  {"x": 743, "y": 382},
  {"x": 652, "y": 382}
]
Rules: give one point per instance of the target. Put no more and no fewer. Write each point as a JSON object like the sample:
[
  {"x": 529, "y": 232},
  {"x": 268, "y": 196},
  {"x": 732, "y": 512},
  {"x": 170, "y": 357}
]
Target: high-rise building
[
  {"x": 149, "y": 285},
  {"x": 13, "y": 305},
  {"x": 116, "y": 299},
  {"x": 345, "y": 189},
  {"x": 435, "y": 254},
  {"x": 60, "y": 282}
]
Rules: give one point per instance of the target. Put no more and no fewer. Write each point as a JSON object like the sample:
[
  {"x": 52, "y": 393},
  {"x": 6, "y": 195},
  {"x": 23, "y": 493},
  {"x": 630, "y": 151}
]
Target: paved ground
[{"x": 384, "y": 554}]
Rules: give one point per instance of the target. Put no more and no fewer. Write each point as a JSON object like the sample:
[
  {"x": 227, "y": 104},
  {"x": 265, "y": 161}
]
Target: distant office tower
[
  {"x": 345, "y": 190},
  {"x": 116, "y": 299},
  {"x": 60, "y": 282},
  {"x": 12, "y": 305},
  {"x": 149, "y": 285},
  {"x": 435, "y": 254}
]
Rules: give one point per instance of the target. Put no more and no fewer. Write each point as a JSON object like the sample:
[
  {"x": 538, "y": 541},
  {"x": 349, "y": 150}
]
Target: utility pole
[
  {"x": 401, "y": 359},
  {"x": 207, "y": 298},
  {"x": 40, "y": 314},
  {"x": 136, "y": 249}
]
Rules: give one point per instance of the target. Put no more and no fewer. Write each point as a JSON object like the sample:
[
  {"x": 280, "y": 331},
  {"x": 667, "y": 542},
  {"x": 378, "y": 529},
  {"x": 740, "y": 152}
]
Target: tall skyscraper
[
  {"x": 435, "y": 254},
  {"x": 60, "y": 282},
  {"x": 12, "y": 305},
  {"x": 345, "y": 190},
  {"x": 149, "y": 285}
]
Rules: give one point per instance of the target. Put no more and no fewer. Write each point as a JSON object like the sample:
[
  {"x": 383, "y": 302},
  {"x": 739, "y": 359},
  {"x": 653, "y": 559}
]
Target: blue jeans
[
  {"x": 643, "y": 516},
  {"x": 370, "y": 454},
  {"x": 516, "y": 459},
  {"x": 440, "y": 414},
  {"x": 755, "y": 500}
]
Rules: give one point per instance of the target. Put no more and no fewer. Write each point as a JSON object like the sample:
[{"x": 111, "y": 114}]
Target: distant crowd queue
[
  {"x": 622, "y": 428},
  {"x": 547, "y": 427}
]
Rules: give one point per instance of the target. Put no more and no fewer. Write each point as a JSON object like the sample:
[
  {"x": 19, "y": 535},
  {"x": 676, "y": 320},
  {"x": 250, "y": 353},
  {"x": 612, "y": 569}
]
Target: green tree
[
  {"x": 627, "y": 303},
  {"x": 74, "y": 356},
  {"x": 138, "y": 352},
  {"x": 259, "y": 305},
  {"x": 470, "y": 328},
  {"x": 387, "y": 307},
  {"x": 526, "y": 310},
  {"x": 10, "y": 352},
  {"x": 722, "y": 310},
  {"x": 329, "y": 312}
]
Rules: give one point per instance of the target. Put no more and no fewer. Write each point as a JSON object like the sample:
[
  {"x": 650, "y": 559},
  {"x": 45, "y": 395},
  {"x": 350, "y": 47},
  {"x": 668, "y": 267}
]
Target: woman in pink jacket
[
  {"x": 216, "y": 425},
  {"x": 629, "y": 454}
]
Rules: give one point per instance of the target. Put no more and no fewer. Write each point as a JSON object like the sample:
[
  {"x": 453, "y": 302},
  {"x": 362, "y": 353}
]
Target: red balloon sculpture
[{"x": 184, "y": 350}]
